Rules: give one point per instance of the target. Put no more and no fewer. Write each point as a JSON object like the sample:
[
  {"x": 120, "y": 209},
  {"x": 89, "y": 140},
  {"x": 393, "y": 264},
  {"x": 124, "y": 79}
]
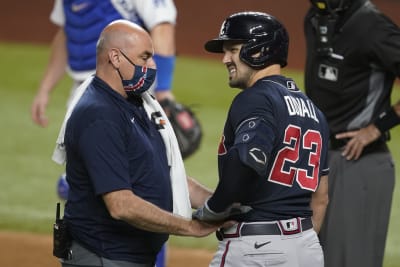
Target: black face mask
[
  {"x": 325, "y": 27},
  {"x": 331, "y": 6},
  {"x": 325, "y": 22}
]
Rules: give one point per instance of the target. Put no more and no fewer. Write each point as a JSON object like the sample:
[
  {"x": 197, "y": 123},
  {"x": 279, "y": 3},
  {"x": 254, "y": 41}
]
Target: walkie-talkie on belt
[{"x": 61, "y": 237}]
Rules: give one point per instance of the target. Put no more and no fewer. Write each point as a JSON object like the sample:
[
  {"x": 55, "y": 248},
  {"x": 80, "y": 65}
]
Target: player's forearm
[
  {"x": 319, "y": 202},
  {"x": 57, "y": 63},
  {"x": 163, "y": 36},
  {"x": 198, "y": 193},
  {"x": 234, "y": 183}
]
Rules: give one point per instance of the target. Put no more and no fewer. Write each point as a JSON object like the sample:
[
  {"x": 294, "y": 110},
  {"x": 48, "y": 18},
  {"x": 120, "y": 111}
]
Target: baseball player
[
  {"x": 74, "y": 45},
  {"x": 272, "y": 157},
  {"x": 353, "y": 59}
]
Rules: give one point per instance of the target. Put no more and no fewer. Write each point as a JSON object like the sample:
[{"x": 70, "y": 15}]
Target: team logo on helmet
[{"x": 223, "y": 30}]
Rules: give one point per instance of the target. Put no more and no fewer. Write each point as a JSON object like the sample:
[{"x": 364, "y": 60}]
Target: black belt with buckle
[{"x": 265, "y": 228}]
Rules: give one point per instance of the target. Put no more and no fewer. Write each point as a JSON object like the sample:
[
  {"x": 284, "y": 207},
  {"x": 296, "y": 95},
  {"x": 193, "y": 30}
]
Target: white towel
[
  {"x": 59, "y": 153},
  {"x": 180, "y": 191}
]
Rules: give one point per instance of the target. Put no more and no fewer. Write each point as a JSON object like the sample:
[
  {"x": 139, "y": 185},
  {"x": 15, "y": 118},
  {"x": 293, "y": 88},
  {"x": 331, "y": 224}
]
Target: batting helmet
[{"x": 261, "y": 34}]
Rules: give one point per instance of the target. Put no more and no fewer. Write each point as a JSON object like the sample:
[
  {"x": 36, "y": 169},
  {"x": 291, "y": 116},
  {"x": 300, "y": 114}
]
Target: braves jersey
[
  {"x": 280, "y": 134},
  {"x": 353, "y": 85}
]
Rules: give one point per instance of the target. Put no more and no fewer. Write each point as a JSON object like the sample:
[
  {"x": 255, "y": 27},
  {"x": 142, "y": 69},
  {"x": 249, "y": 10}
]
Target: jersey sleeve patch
[{"x": 253, "y": 140}]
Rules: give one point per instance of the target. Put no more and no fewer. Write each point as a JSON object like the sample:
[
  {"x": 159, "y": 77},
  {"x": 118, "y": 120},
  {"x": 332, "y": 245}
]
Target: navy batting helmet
[{"x": 261, "y": 34}]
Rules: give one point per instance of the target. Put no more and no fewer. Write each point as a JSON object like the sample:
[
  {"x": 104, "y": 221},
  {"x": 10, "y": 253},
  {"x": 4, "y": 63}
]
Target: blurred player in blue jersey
[
  {"x": 73, "y": 48},
  {"x": 272, "y": 157}
]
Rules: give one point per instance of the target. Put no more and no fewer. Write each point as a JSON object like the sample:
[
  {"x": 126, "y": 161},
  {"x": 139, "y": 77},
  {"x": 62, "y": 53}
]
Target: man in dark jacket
[{"x": 353, "y": 58}]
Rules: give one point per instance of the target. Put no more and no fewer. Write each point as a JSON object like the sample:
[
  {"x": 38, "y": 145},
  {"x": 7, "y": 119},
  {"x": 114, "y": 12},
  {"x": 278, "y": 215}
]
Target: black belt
[
  {"x": 282, "y": 227},
  {"x": 377, "y": 146}
]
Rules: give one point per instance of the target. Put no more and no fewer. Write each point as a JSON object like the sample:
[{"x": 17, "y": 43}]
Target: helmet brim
[{"x": 216, "y": 45}]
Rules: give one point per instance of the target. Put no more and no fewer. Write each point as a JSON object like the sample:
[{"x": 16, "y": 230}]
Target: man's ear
[{"x": 114, "y": 58}]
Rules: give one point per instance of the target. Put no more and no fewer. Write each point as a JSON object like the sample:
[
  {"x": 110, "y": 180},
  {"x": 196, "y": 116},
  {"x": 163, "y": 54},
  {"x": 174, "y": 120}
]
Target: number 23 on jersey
[{"x": 286, "y": 169}]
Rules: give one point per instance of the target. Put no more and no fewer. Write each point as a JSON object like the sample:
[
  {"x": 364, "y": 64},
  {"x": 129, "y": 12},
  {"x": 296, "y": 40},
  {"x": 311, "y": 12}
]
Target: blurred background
[
  {"x": 28, "y": 176},
  {"x": 197, "y": 22}
]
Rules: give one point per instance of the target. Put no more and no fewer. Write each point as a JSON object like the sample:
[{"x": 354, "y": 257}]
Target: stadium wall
[{"x": 198, "y": 21}]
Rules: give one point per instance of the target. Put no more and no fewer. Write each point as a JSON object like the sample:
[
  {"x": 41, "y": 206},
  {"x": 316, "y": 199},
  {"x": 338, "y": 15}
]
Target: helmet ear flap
[
  {"x": 255, "y": 54},
  {"x": 267, "y": 50}
]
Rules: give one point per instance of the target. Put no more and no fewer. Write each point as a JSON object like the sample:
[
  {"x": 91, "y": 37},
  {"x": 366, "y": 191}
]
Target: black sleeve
[{"x": 232, "y": 187}]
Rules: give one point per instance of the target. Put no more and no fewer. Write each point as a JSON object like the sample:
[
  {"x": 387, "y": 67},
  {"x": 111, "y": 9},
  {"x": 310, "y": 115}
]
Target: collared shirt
[{"x": 112, "y": 145}]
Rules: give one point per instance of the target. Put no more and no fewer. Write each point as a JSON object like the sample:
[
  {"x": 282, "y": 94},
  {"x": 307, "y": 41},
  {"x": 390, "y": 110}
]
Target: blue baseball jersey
[
  {"x": 83, "y": 22},
  {"x": 283, "y": 137},
  {"x": 112, "y": 145}
]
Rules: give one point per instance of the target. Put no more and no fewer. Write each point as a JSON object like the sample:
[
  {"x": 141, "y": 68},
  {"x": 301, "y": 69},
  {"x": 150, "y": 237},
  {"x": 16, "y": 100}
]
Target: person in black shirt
[
  {"x": 353, "y": 58},
  {"x": 119, "y": 161}
]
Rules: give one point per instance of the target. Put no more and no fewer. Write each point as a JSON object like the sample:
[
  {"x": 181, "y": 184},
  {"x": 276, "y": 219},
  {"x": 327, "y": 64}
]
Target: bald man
[{"x": 120, "y": 199}]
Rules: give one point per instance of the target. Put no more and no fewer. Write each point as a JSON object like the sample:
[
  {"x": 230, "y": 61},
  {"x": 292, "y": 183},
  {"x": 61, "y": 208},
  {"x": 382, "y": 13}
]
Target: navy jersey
[
  {"x": 112, "y": 145},
  {"x": 283, "y": 137}
]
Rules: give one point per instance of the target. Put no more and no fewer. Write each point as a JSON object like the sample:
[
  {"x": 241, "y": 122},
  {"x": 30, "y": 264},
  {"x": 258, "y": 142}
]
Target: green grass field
[{"x": 28, "y": 176}]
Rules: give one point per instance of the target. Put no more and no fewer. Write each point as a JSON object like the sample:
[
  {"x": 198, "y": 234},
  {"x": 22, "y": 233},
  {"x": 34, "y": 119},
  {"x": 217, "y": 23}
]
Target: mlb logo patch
[
  {"x": 290, "y": 226},
  {"x": 329, "y": 73},
  {"x": 290, "y": 85}
]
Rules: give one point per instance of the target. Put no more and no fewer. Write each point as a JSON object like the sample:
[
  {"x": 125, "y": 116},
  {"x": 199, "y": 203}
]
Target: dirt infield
[{"x": 34, "y": 250}]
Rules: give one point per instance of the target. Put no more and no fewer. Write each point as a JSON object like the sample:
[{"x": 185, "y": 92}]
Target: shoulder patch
[
  {"x": 258, "y": 155},
  {"x": 254, "y": 141}
]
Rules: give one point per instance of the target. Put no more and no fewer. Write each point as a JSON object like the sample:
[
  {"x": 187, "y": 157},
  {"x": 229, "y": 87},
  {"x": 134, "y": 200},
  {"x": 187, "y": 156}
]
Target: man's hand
[
  {"x": 359, "y": 139},
  {"x": 38, "y": 109},
  {"x": 201, "y": 229}
]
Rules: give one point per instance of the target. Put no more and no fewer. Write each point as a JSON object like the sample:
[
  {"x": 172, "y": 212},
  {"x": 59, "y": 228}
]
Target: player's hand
[
  {"x": 204, "y": 213},
  {"x": 202, "y": 229},
  {"x": 38, "y": 109},
  {"x": 359, "y": 139}
]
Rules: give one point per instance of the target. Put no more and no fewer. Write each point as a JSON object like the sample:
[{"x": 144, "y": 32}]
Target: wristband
[
  {"x": 204, "y": 213},
  {"x": 165, "y": 70},
  {"x": 387, "y": 120}
]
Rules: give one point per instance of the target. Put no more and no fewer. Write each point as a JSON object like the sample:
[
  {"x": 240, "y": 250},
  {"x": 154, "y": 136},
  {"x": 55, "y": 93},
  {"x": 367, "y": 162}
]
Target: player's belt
[{"x": 281, "y": 227}]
